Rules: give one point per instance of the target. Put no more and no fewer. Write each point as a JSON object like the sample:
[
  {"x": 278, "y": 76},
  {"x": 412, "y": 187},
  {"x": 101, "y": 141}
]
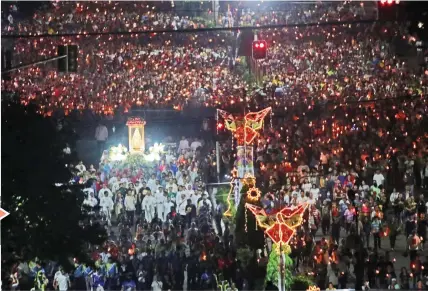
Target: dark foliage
[
  {"x": 252, "y": 238},
  {"x": 46, "y": 220}
]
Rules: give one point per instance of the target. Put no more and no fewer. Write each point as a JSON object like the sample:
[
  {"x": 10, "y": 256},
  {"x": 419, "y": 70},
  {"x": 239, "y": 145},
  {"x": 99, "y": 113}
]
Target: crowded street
[{"x": 214, "y": 145}]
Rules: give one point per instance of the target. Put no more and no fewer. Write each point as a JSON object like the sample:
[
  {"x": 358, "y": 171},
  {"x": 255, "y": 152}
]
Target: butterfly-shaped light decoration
[
  {"x": 280, "y": 224},
  {"x": 245, "y": 129}
]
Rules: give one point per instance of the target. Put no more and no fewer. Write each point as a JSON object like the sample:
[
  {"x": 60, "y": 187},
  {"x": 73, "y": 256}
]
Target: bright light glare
[
  {"x": 155, "y": 152},
  {"x": 118, "y": 153},
  {"x": 262, "y": 45}
]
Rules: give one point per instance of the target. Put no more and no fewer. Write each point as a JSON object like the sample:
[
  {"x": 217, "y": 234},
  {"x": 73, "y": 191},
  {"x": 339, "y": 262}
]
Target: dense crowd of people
[
  {"x": 171, "y": 70},
  {"x": 347, "y": 136}
]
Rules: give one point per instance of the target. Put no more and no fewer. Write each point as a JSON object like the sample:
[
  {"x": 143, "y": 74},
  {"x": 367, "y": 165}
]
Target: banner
[{"x": 244, "y": 161}]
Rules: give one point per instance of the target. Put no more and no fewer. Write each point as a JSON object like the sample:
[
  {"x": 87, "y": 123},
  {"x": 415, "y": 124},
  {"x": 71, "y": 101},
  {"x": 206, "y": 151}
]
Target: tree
[
  {"x": 46, "y": 220},
  {"x": 249, "y": 235}
]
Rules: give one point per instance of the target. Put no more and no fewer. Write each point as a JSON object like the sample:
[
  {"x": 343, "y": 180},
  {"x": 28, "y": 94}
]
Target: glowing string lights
[
  {"x": 280, "y": 225},
  {"x": 244, "y": 129},
  {"x": 232, "y": 184}
]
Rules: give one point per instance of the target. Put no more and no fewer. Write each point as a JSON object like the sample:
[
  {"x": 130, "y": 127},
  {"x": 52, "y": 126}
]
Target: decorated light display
[
  {"x": 279, "y": 224},
  {"x": 253, "y": 194},
  {"x": 136, "y": 134},
  {"x": 313, "y": 288},
  {"x": 245, "y": 130}
]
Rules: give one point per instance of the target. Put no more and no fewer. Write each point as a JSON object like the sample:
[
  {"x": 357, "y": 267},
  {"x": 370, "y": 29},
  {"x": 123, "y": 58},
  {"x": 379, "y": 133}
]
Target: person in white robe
[
  {"x": 148, "y": 205},
  {"x": 104, "y": 190},
  {"x": 151, "y": 183},
  {"x": 107, "y": 205},
  {"x": 90, "y": 201},
  {"x": 160, "y": 201}
]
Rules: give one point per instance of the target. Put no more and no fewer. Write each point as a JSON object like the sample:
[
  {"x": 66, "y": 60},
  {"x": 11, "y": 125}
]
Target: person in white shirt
[
  {"x": 105, "y": 190},
  {"x": 61, "y": 281},
  {"x": 156, "y": 284},
  {"x": 90, "y": 201},
  {"x": 151, "y": 183},
  {"x": 315, "y": 192},
  {"x": 302, "y": 198},
  {"x": 101, "y": 135},
  {"x": 364, "y": 188},
  {"x": 172, "y": 184},
  {"x": 306, "y": 187},
  {"x": 181, "y": 204},
  {"x": 160, "y": 201},
  {"x": 195, "y": 145},
  {"x": 205, "y": 201},
  {"x": 88, "y": 192},
  {"x": 311, "y": 200},
  {"x": 378, "y": 178},
  {"x": 107, "y": 205},
  {"x": 183, "y": 145},
  {"x": 286, "y": 198},
  {"x": 81, "y": 167},
  {"x": 169, "y": 157},
  {"x": 189, "y": 191},
  {"x": 394, "y": 196},
  {"x": 130, "y": 206},
  {"x": 148, "y": 205},
  {"x": 195, "y": 197},
  {"x": 113, "y": 180}
]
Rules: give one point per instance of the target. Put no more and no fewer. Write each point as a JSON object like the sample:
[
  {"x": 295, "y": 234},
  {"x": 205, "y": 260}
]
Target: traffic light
[
  {"x": 6, "y": 63},
  {"x": 259, "y": 49},
  {"x": 72, "y": 58},
  {"x": 68, "y": 64}
]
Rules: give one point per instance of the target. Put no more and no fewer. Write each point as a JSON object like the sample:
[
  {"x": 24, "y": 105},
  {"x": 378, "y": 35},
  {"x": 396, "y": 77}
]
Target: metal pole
[
  {"x": 66, "y": 63},
  {"x": 35, "y": 63},
  {"x": 217, "y": 153}
]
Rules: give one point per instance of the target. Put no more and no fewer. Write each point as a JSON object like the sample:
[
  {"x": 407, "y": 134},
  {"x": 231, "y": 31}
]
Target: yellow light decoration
[
  {"x": 249, "y": 180},
  {"x": 228, "y": 212},
  {"x": 253, "y": 194},
  {"x": 313, "y": 288}
]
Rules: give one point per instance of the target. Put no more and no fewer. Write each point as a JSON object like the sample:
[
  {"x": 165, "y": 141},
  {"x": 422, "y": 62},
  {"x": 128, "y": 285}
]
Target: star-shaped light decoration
[
  {"x": 280, "y": 224},
  {"x": 253, "y": 194}
]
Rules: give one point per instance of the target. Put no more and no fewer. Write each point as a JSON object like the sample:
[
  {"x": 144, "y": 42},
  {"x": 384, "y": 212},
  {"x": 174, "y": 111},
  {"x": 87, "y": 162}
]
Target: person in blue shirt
[
  {"x": 97, "y": 281},
  {"x": 88, "y": 271},
  {"x": 112, "y": 275},
  {"x": 129, "y": 284}
]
